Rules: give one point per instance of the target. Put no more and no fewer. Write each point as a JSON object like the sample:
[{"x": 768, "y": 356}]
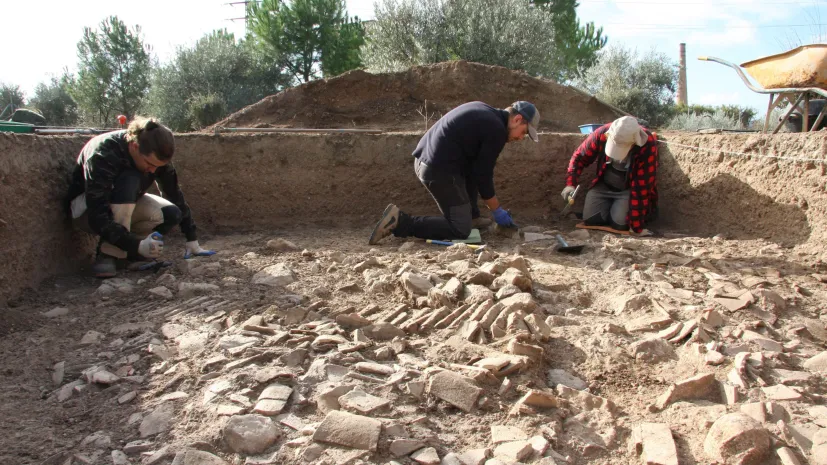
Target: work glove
[
  {"x": 567, "y": 192},
  {"x": 642, "y": 233},
  {"x": 195, "y": 250},
  {"x": 152, "y": 246},
  {"x": 502, "y": 217}
]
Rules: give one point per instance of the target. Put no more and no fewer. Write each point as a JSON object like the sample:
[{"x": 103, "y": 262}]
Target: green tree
[
  {"x": 113, "y": 71},
  {"x": 307, "y": 37},
  {"x": 510, "y": 33},
  {"x": 641, "y": 85},
  {"x": 11, "y": 98},
  {"x": 217, "y": 75},
  {"x": 577, "y": 44},
  {"x": 53, "y": 101}
]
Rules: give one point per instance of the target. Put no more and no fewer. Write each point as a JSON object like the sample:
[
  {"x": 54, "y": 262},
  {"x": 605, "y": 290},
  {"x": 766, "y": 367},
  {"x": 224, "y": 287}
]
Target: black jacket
[
  {"x": 99, "y": 164},
  {"x": 467, "y": 141}
]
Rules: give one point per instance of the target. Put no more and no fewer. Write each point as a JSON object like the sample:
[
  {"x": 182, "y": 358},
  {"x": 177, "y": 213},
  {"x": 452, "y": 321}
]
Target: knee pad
[
  {"x": 595, "y": 220},
  {"x": 618, "y": 227},
  {"x": 172, "y": 218}
]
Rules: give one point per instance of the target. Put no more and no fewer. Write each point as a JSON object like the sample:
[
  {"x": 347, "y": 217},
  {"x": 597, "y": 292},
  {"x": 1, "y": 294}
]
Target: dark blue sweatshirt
[{"x": 467, "y": 141}]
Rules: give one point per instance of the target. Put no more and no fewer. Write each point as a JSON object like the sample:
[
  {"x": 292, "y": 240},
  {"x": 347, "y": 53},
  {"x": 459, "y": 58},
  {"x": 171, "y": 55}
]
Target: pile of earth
[{"x": 401, "y": 101}]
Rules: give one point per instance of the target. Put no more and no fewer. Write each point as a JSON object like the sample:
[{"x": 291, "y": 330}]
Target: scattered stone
[
  {"x": 119, "y": 458},
  {"x": 56, "y": 312},
  {"x": 522, "y": 301},
  {"x": 250, "y": 434},
  {"x": 818, "y": 363},
  {"x": 187, "y": 290},
  {"x": 586, "y": 400},
  {"x": 362, "y": 402},
  {"x": 713, "y": 357},
  {"x": 654, "y": 443},
  {"x": 272, "y": 400},
  {"x": 426, "y": 456},
  {"x": 733, "y": 305},
  {"x": 374, "y": 368},
  {"x": 382, "y": 331},
  {"x": 278, "y": 275},
  {"x": 652, "y": 350},
  {"x": 514, "y": 450},
  {"x": 514, "y": 277},
  {"x": 400, "y": 447},
  {"x": 696, "y": 387},
  {"x": 281, "y": 245},
  {"x": 787, "y": 456},
  {"x": 162, "y": 291},
  {"x": 737, "y": 438},
  {"x": 349, "y": 430},
  {"x": 556, "y": 376},
  {"x": 455, "y": 389},
  {"x": 415, "y": 284},
  {"x": 58, "y": 371},
  {"x": 780, "y": 392},
  {"x": 197, "y": 457},
  {"x": 137, "y": 446},
  {"x": 535, "y": 398},
  {"x": 628, "y": 303},
  {"x": 91, "y": 337},
  {"x": 529, "y": 350},
  {"x": 473, "y": 457},
  {"x": 763, "y": 341},
  {"x": 158, "y": 421},
  {"x": 352, "y": 321}
]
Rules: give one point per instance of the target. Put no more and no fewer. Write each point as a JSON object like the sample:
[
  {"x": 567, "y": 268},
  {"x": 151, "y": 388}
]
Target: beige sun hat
[{"x": 622, "y": 135}]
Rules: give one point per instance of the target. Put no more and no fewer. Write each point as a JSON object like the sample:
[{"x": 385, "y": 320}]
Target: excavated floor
[{"x": 152, "y": 358}]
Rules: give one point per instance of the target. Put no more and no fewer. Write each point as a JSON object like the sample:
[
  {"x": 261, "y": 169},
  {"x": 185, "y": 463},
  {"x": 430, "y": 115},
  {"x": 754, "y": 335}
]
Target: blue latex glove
[
  {"x": 195, "y": 250},
  {"x": 502, "y": 217}
]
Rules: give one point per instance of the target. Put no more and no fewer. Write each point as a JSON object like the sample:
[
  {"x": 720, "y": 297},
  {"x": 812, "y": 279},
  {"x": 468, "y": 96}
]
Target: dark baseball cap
[{"x": 530, "y": 114}]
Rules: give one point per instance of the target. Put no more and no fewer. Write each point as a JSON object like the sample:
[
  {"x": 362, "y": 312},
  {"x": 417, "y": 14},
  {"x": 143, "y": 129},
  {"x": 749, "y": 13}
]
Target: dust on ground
[
  {"x": 435, "y": 347},
  {"x": 416, "y": 98}
]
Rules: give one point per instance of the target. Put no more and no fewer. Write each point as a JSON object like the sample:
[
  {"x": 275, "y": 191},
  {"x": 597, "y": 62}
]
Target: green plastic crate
[{"x": 22, "y": 128}]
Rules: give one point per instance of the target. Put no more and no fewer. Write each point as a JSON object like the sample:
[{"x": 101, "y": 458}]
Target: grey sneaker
[
  {"x": 481, "y": 222},
  {"x": 387, "y": 223},
  {"x": 105, "y": 266}
]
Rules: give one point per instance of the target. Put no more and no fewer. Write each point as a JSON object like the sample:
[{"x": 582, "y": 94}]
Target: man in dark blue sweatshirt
[{"x": 455, "y": 161}]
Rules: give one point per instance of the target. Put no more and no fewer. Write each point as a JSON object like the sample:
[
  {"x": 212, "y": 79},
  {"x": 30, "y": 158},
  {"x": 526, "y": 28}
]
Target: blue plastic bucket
[{"x": 588, "y": 128}]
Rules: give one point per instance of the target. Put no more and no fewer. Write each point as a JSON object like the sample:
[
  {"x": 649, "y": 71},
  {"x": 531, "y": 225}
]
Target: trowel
[
  {"x": 569, "y": 203},
  {"x": 564, "y": 246}
]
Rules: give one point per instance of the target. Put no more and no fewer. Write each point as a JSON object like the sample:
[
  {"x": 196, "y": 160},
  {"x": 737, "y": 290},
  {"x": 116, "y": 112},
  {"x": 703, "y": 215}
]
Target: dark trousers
[{"x": 451, "y": 193}]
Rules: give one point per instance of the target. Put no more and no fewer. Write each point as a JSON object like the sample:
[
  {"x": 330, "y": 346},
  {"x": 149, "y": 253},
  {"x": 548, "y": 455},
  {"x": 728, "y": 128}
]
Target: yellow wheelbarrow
[{"x": 790, "y": 77}]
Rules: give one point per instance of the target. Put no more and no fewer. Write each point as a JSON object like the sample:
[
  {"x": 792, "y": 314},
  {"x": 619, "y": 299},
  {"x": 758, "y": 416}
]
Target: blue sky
[{"x": 736, "y": 30}]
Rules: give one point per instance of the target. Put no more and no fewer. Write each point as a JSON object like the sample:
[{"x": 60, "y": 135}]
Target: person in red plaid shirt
[{"x": 624, "y": 193}]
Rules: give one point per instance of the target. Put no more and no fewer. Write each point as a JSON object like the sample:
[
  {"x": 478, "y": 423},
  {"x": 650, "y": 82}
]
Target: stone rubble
[{"x": 452, "y": 357}]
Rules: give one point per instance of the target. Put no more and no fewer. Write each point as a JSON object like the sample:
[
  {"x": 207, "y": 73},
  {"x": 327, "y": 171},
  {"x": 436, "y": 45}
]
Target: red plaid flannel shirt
[{"x": 642, "y": 173}]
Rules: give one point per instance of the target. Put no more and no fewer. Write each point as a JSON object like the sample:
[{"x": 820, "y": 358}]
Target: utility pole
[
  {"x": 246, "y": 17},
  {"x": 682, "y": 97}
]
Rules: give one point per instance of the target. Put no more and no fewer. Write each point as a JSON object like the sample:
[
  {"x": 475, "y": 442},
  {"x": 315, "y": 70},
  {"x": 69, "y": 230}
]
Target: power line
[
  {"x": 670, "y": 26},
  {"x": 634, "y": 2}
]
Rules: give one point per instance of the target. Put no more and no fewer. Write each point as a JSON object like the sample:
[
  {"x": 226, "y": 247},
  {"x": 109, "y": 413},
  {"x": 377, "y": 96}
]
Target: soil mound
[{"x": 397, "y": 101}]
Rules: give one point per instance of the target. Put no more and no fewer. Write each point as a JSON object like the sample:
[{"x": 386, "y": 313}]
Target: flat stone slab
[
  {"x": 780, "y": 392},
  {"x": 556, "y": 377},
  {"x": 349, "y": 430},
  {"x": 362, "y": 402},
  {"x": 454, "y": 389},
  {"x": 654, "y": 443}
]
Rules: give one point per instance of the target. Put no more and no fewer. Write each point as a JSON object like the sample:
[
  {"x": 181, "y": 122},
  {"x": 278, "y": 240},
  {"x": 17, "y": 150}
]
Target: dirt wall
[
  {"x": 730, "y": 184},
  {"x": 275, "y": 182},
  {"x": 35, "y": 241}
]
